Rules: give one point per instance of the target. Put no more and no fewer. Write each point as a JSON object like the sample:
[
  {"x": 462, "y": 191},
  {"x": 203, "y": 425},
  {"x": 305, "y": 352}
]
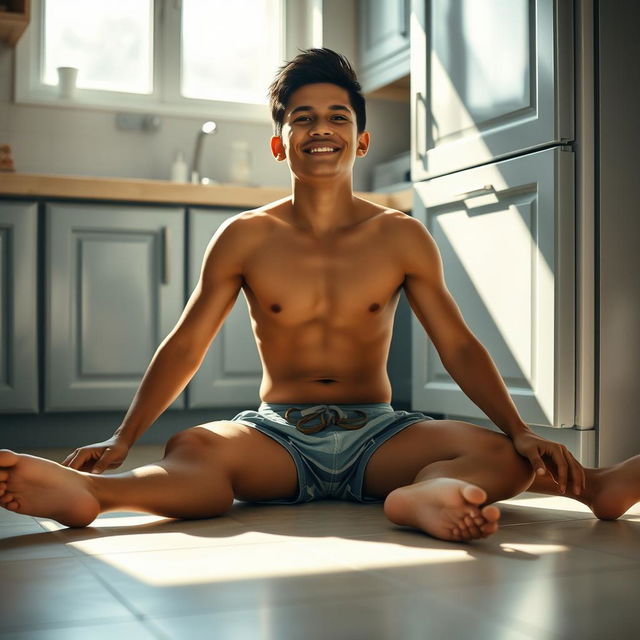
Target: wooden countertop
[{"x": 136, "y": 190}]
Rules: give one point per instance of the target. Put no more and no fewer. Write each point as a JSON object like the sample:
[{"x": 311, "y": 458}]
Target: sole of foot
[
  {"x": 42, "y": 488},
  {"x": 444, "y": 508}
]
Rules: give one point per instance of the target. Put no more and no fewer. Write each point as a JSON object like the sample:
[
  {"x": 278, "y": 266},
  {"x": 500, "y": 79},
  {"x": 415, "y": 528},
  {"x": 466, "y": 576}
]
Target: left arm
[{"x": 464, "y": 357}]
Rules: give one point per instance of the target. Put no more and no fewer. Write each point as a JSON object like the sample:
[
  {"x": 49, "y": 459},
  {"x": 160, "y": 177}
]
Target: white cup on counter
[{"x": 67, "y": 78}]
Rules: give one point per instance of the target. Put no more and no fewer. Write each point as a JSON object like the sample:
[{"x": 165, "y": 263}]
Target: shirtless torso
[{"x": 322, "y": 309}]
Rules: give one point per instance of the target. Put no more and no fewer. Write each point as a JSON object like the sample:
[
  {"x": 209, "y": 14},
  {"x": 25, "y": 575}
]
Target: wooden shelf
[{"x": 14, "y": 21}]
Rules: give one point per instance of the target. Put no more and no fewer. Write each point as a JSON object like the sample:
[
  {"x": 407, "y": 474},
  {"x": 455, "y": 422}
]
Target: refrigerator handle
[{"x": 488, "y": 188}]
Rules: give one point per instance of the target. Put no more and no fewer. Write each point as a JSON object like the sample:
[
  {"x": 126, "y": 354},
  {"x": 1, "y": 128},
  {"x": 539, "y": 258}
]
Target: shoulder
[
  {"x": 412, "y": 242},
  {"x": 240, "y": 234}
]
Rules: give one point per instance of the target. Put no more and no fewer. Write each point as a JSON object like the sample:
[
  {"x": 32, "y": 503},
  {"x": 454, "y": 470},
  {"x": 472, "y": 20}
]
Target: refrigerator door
[
  {"x": 489, "y": 79},
  {"x": 507, "y": 239}
]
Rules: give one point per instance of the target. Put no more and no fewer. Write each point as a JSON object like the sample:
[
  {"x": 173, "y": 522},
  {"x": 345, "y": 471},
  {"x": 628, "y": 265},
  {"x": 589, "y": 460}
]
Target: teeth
[{"x": 321, "y": 149}]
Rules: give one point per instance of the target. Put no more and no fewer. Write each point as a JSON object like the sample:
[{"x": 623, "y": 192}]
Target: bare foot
[
  {"x": 38, "y": 487},
  {"x": 615, "y": 489},
  {"x": 445, "y": 508}
]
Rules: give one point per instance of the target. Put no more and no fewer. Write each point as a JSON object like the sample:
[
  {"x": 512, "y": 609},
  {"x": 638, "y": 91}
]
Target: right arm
[{"x": 180, "y": 354}]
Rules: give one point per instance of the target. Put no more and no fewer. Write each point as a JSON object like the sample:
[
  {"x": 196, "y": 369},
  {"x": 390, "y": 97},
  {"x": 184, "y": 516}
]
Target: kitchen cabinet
[
  {"x": 114, "y": 290},
  {"x": 509, "y": 261},
  {"x": 383, "y": 41},
  {"x": 488, "y": 80},
  {"x": 18, "y": 307},
  {"x": 231, "y": 372}
]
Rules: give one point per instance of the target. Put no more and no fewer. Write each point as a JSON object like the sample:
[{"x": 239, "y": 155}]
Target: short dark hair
[{"x": 309, "y": 67}]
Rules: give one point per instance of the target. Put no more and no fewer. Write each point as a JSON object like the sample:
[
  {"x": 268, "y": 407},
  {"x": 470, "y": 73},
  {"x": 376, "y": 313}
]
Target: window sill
[{"x": 227, "y": 111}]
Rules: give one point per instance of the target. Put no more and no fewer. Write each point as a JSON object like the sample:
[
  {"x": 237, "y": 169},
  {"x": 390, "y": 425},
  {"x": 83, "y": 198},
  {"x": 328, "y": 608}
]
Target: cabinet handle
[
  {"x": 166, "y": 255},
  {"x": 420, "y": 123},
  {"x": 488, "y": 188}
]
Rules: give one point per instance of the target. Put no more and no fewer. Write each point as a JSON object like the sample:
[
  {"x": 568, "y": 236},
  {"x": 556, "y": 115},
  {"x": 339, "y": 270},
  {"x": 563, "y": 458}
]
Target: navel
[
  {"x": 276, "y": 308},
  {"x": 374, "y": 307}
]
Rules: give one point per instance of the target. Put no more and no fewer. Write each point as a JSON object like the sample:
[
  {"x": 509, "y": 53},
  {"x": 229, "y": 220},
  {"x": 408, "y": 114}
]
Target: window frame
[{"x": 166, "y": 98}]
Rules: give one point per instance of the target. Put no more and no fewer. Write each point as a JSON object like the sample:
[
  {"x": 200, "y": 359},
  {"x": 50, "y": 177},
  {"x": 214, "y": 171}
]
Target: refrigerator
[{"x": 502, "y": 150}]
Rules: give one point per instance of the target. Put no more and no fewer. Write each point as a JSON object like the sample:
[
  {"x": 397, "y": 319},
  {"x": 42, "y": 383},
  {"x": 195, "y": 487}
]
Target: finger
[
  {"x": 103, "y": 461},
  {"x": 561, "y": 466},
  {"x": 537, "y": 464},
  {"x": 577, "y": 473},
  {"x": 77, "y": 460},
  {"x": 69, "y": 458}
]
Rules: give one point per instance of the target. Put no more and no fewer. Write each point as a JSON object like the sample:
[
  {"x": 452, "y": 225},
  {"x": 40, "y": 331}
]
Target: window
[{"x": 179, "y": 57}]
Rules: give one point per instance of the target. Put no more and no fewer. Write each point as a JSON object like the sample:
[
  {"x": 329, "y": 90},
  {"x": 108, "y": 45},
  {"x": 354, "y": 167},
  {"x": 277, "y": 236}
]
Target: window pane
[
  {"x": 230, "y": 50},
  {"x": 111, "y": 43}
]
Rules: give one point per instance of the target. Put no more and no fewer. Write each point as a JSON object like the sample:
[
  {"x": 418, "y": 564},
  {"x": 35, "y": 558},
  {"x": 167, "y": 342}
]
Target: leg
[
  {"x": 609, "y": 491},
  {"x": 203, "y": 469},
  {"x": 436, "y": 476}
]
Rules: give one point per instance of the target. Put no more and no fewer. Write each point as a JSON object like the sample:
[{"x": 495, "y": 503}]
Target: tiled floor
[{"x": 320, "y": 570}]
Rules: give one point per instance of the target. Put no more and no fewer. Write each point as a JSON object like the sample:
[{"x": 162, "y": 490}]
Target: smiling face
[{"x": 319, "y": 133}]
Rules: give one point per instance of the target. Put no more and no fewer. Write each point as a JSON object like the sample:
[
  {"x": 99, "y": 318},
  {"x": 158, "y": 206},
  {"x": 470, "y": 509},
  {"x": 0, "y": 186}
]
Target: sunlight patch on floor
[{"x": 553, "y": 503}]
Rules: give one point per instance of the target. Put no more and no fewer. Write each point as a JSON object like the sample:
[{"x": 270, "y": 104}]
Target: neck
[{"x": 324, "y": 206}]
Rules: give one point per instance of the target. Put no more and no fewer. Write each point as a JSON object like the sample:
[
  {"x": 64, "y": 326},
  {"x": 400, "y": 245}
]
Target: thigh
[
  {"x": 259, "y": 468},
  {"x": 399, "y": 460}
]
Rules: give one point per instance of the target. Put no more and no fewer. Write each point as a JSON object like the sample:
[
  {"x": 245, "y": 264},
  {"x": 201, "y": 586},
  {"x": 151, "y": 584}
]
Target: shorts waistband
[{"x": 372, "y": 406}]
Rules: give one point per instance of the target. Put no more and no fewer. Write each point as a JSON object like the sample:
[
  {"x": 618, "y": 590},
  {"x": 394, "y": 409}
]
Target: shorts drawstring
[{"x": 326, "y": 413}]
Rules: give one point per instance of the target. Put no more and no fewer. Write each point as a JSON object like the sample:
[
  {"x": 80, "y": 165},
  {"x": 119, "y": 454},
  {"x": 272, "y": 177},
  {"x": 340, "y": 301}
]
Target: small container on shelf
[{"x": 6, "y": 161}]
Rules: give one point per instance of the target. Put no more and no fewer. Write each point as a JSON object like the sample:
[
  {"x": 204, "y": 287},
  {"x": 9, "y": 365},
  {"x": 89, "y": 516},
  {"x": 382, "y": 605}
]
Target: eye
[{"x": 301, "y": 118}]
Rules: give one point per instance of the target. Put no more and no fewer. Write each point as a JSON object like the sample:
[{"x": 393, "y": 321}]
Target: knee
[{"x": 195, "y": 439}]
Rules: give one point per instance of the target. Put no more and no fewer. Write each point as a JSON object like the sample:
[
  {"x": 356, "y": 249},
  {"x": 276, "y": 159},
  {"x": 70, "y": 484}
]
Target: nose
[{"x": 321, "y": 128}]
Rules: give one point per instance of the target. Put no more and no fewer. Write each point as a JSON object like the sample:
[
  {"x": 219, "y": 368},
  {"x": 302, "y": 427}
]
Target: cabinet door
[
  {"x": 506, "y": 235},
  {"x": 18, "y": 307},
  {"x": 114, "y": 290},
  {"x": 383, "y": 39},
  {"x": 231, "y": 372},
  {"x": 489, "y": 78}
]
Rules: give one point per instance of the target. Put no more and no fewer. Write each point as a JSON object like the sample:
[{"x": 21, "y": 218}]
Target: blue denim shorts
[{"x": 330, "y": 444}]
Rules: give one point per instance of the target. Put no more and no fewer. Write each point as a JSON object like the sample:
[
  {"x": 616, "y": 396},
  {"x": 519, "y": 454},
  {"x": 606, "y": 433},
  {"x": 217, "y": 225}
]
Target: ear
[
  {"x": 364, "y": 139},
  {"x": 277, "y": 148}
]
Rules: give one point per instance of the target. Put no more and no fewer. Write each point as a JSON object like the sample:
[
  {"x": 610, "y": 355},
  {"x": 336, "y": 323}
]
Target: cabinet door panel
[
  {"x": 110, "y": 302},
  {"x": 506, "y": 236},
  {"x": 383, "y": 41},
  {"x": 490, "y": 78},
  {"x": 18, "y": 307},
  {"x": 231, "y": 372}
]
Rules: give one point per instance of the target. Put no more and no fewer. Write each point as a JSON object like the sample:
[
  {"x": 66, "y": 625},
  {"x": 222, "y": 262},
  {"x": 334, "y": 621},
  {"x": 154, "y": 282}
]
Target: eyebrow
[{"x": 333, "y": 107}]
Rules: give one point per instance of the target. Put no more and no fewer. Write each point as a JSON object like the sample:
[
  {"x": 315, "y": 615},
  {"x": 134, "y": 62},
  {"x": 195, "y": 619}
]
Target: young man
[{"x": 322, "y": 271}]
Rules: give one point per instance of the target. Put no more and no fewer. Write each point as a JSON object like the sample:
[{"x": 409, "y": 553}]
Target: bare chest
[{"x": 342, "y": 281}]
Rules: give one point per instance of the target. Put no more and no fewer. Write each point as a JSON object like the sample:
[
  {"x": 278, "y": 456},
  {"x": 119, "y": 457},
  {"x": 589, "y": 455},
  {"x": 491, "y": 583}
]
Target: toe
[
  {"x": 6, "y": 499},
  {"x": 474, "y": 495},
  {"x": 473, "y": 528},
  {"x": 489, "y": 528},
  {"x": 4, "y": 475},
  {"x": 491, "y": 513}
]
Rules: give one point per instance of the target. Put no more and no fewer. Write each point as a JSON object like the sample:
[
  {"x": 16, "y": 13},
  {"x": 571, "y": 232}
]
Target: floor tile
[
  {"x": 534, "y": 507},
  {"x": 313, "y": 519},
  {"x": 405, "y": 616},
  {"x": 54, "y": 590},
  {"x": 617, "y": 537},
  {"x": 101, "y": 631},
  {"x": 28, "y": 540},
  {"x": 414, "y": 560},
  {"x": 227, "y": 577},
  {"x": 129, "y": 532},
  {"x": 598, "y": 604}
]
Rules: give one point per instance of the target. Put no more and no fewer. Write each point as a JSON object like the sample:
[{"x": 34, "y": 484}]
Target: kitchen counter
[{"x": 137, "y": 190}]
